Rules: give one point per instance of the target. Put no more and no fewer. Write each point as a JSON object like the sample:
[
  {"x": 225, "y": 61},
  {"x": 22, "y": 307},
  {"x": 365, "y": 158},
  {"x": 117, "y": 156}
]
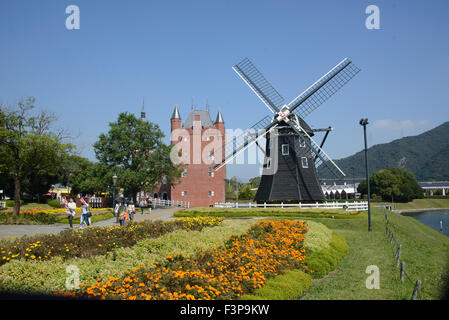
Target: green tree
[
  {"x": 254, "y": 182},
  {"x": 30, "y": 152},
  {"x": 134, "y": 148},
  {"x": 246, "y": 193},
  {"x": 84, "y": 176},
  {"x": 394, "y": 184}
]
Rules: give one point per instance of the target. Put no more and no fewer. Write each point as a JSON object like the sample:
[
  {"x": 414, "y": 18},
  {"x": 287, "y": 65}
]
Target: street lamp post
[
  {"x": 353, "y": 182},
  {"x": 114, "y": 180},
  {"x": 364, "y": 122}
]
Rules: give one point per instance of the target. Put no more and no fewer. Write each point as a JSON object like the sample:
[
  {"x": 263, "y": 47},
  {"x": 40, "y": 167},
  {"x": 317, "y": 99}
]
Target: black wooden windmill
[{"x": 292, "y": 156}]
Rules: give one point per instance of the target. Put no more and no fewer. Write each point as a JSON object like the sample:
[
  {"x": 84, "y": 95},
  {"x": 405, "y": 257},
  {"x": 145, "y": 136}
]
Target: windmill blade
[
  {"x": 323, "y": 88},
  {"x": 260, "y": 86},
  {"x": 322, "y": 159},
  {"x": 243, "y": 141}
]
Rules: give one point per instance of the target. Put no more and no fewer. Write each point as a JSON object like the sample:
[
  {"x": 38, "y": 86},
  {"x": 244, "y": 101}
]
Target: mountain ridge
[{"x": 426, "y": 155}]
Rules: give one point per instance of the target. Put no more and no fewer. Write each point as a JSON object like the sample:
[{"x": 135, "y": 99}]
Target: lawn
[
  {"x": 423, "y": 204},
  {"x": 424, "y": 251},
  {"x": 269, "y": 212}
]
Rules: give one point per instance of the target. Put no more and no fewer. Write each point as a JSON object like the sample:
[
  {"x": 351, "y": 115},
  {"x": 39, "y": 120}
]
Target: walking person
[
  {"x": 71, "y": 207},
  {"x": 150, "y": 204},
  {"x": 84, "y": 213},
  {"x": 141, "y": 205},
  {"x": 122, "y": 213},
  {"x": 131, "y": 210}
]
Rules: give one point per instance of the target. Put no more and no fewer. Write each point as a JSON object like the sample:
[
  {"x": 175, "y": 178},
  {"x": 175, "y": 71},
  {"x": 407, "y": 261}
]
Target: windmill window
[
  {"x": 304, "y": 162},
  {"x": 285, "y": 150},
  {"x": 268, "y": 164},
  {"x": 302, "y": 143}
]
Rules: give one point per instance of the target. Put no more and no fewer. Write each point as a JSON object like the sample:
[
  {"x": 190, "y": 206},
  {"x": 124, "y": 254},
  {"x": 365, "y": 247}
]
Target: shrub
[
  {"x": 10, "y": 203},
  {"x": 25, "y": 217},
  {"x": 287, "y": 286},
  {"x": 327, "y": 259},
  {"x": 54, "y": 203},
  {"x": 318, "y": 237}
]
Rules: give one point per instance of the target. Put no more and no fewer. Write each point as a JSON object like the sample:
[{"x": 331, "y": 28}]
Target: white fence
[
  {"x": 358, "y": 205},
  {"x": 2, "y": 204},
  {"x": 169, "y": 203}
]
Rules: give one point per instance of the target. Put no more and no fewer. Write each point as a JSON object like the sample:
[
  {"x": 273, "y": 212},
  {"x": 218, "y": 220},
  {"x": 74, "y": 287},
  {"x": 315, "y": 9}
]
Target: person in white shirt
[
  {"x": 84, "y": 213},
  {"x": 71, "y": 207}
]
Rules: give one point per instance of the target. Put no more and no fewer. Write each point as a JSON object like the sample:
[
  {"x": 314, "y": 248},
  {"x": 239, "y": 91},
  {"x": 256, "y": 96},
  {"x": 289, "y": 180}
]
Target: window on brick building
[
  {"x": 210, "y": 172},
  {"x": 184, "y": 193},
  {"x": 185, "y": 172},
  {"x": 210, "y": 193}
]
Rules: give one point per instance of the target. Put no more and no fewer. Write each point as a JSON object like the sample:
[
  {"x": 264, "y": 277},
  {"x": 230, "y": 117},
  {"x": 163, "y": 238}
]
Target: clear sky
[{"x": 170, "y": 52}]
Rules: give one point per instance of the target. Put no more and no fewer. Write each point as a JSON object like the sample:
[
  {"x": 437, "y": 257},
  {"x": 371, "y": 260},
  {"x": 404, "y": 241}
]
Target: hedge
[{"x": 327, "y": 259}]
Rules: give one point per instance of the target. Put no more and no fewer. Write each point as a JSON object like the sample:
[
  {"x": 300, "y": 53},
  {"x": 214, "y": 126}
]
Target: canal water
[{"x": 432, "y": 219}]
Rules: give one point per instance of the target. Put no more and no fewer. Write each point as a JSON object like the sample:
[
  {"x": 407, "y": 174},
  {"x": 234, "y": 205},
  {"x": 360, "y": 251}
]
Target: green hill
[{"x": 426, "y": 155}]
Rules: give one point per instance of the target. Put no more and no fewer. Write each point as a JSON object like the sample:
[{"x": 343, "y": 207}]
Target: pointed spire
[
  {"x": 142, "y": 114},
  {"x": 176, "y": 114},
  {"x": 219, "y": 118}
]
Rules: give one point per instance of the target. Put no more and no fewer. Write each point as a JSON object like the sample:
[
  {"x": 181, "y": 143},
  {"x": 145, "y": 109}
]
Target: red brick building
[{"x": 199, "y": 144}]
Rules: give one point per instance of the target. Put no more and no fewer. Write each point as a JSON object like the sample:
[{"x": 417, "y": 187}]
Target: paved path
[{"x": 10, "y": 231}]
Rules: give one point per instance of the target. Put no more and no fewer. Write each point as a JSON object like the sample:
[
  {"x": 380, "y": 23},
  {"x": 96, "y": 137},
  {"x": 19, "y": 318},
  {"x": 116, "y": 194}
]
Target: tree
[
  {"x": 393, "y": 184},
  {"x": 246, "y": 193},
  {"x": 254, "y": 182},
  {"x": 135, "y": 149},
  {"x": 30, "y": 152},
  {"x": 84, "y": 176}
]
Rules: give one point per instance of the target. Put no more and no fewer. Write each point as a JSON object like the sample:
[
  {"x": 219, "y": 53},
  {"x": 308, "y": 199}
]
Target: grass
[
  {"x": 423, "y": 204},
  {"x": 424, "y": 251},
  {"x": 272, "y": 212}
]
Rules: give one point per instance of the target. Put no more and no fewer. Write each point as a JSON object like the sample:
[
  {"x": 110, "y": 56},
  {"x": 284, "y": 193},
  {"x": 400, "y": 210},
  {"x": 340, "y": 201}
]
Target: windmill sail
[
  {"x": 323, "y": 88},
  {"x": 244, "y": 140},
  {"x": 257, "y": 82}
]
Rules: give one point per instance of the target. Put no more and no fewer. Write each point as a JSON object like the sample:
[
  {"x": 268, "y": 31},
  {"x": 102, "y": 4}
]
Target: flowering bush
[
  {"x": 94, "y": 240},
  {"x": 243, "y": 264}
]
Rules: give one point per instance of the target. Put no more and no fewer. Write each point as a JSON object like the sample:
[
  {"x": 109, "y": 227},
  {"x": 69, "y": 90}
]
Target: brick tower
[{"x": 199, "y": 183}]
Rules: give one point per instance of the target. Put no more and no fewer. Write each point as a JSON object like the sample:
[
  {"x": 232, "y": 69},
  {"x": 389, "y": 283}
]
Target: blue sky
[{"x": 170, "y": 52}]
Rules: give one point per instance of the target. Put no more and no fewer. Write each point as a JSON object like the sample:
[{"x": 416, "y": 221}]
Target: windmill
[{"x": 291, "y": 155}]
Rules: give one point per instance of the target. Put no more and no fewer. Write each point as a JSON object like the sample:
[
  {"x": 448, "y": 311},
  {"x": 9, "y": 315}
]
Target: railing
[
  {"x": 403, "y": 275},
  {"x": 359, "y": 206},
  {"x": 158, "y": 203}
]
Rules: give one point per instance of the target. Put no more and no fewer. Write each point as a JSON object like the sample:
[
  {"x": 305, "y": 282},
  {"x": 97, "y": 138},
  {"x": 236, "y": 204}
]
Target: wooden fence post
[
  {"x": 402, "y": 271},
  {"x": 415, "y": 290},
  {"x": 398, "y": 256}
]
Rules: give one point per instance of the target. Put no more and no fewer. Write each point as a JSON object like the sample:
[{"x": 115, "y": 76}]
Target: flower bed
[
  {"x": 47, "y": 216},
  {"x": 95, "y": 240},
  {"x": 243, "y": 264},
  {"x": 37, "y": 277}
]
